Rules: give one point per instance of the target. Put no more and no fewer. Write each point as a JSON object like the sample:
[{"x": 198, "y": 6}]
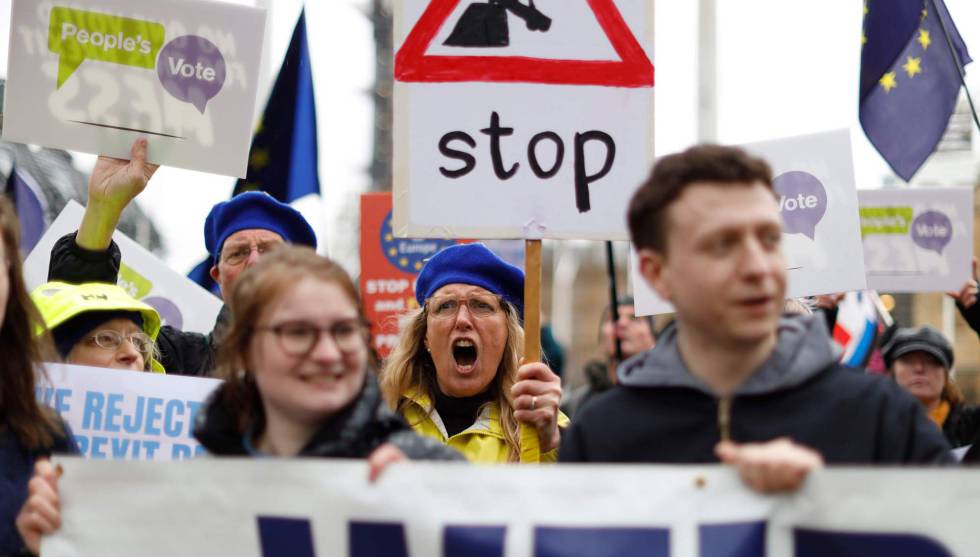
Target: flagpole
[{"x": 956, "y": 61}]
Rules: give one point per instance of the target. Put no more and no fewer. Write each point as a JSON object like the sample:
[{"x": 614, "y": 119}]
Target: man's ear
[
  {"x": 652, "y": 269},
  {"x": 215, "y": 274}
]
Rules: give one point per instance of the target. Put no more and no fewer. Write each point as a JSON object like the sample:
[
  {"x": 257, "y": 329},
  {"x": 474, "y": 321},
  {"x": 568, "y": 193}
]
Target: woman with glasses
[
  {"x": 297, "y": 378},
  {"x": 296, "y": 367},
  {"x": 99, "y": 324},
  {"x": 455, "y": 374},
  {"x": 29, "y": 432}
]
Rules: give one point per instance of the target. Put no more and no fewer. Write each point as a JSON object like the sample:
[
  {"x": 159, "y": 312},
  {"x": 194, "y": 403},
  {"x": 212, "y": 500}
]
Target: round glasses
[
  {"x": 298, "y": 338},
  {"x": 236, "y": 255},
  {"x": 479, "y": 305},
  {"x": 110, "y": 339}
]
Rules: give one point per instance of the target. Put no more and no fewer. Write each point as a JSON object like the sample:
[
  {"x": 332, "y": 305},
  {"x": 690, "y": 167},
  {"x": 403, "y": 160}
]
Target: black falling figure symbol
[{"x": 485, "y": 24}]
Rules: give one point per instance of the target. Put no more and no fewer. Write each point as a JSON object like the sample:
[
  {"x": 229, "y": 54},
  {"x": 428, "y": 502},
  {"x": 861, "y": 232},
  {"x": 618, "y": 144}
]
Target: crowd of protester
[{"x": 740, "y": 375}]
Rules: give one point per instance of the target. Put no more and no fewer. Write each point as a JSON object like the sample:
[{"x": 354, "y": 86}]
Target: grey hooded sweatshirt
[{"x": 660, "y": 412}]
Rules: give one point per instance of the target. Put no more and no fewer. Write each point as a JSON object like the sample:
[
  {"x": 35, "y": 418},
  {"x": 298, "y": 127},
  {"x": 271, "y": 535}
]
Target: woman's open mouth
[{"x": 464, "y": 352}]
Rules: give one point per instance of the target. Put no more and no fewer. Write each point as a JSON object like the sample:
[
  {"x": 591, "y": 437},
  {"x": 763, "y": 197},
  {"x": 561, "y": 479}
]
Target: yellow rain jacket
[
  {"x": 482, "y": 442},
  {"x": 59, "y": 301}
]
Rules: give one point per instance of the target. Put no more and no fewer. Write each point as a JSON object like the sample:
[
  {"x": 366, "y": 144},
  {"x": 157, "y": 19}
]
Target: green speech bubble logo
[
  {"x": 885, "y": 220},
  {"x": 77, "y": 35},
  {"x": 134, "y": 283}
]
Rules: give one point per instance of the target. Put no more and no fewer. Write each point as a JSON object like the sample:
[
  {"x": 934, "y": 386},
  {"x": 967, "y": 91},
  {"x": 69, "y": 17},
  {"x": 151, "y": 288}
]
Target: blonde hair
[{"x": 409, "y": 366}]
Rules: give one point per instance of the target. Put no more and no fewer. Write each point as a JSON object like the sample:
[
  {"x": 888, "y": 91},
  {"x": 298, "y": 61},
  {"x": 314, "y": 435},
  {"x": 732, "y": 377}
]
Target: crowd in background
[{"x": 292, "y": 347}]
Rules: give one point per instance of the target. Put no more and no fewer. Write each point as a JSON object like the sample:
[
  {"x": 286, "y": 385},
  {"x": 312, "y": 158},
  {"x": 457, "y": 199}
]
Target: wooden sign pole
[{"x": 532, "y": 301}]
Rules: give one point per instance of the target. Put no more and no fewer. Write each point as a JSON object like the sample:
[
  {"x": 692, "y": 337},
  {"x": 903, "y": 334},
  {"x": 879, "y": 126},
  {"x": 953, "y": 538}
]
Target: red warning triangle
[{"x": 633, "y": 69}]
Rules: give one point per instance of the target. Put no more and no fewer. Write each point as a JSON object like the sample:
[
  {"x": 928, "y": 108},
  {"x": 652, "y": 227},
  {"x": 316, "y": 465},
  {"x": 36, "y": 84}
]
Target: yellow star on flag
[
  {"x": 259, "y": 158},
  {"x": 925, "y": 13},
  {"x": 389, "y": 237},
  {"x": 912, "y": 66},
  {"x": 403, "y": 262},
  {"x": 392, "y": 252},
  {"x": 418, "y": 265},
  {"x": 924, "y": 39},
  {"x": 888, "y": 81},
  {"x": 864, "y": 38}
]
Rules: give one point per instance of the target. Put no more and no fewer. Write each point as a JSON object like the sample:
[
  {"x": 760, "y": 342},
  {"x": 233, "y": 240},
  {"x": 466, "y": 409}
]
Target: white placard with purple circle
[
  {"x": 917, "y": 240},
  {"x": 93, "y": 75},
  {"x": 182, "y": 304},
  {"x": 814, "y": 178}
]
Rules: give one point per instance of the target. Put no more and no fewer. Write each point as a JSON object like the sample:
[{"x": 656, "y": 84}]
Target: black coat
[
  {"x": 847, "y": 416},
  {"x": 355, "y": 432},
  {"x": 181, "y": 353},
  {"x": 16, "y": 469}
]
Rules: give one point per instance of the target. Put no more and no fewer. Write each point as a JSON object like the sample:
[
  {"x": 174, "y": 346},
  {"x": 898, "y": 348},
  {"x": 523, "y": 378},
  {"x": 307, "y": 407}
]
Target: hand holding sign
[
  {"x": 41, "y": 513},
  {"x": 112, "y": 185}
]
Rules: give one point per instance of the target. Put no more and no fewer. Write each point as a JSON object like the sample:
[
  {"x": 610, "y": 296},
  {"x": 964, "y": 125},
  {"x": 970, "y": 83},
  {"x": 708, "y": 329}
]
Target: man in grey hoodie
[{"x": 734, "y": 380}]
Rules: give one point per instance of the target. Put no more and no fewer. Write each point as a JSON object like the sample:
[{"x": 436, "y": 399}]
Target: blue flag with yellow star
[
  {"x": 283, "y": 157},
  {"x": 909, "y": 79}
]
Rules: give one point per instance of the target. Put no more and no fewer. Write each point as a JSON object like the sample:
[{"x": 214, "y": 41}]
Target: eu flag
[
  {"x": 31, "y": 208},
  {"x": 283, "y": 157},
  {"x": 909, "y": 80}
]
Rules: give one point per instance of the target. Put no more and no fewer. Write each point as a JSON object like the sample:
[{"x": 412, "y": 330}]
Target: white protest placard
[
  {"x": 516, "y": 120},
  {"x": 917, "y": 240},
  {"x": 93, "y": 75},
  {"x": 814, "y": 178},
  {"x": 305, "y": 508},
  {"x": 181, "y": 302},
  {"x": 127, "y": 415}
]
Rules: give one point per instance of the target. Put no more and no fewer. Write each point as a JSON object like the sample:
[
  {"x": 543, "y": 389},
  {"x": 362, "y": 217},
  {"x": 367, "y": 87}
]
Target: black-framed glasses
[
  {"x": 479, "y": 305},
  {"x": 110, "y": 339},
  {"x": 236, "y": 255},
  {"x": 297, "y": 338}
]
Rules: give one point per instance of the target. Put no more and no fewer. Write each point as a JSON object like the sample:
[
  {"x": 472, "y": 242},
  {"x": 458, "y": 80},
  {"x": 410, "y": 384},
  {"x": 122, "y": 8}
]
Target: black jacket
[
  {"x": 182, "y": 353},
  {"x": 16, "y": 469},
  {"x": 354, "y": 432},
  {"x": 971, "y": 315},
  {"x": 962, "y": 425},
  {"x": 660, "y": 413}
]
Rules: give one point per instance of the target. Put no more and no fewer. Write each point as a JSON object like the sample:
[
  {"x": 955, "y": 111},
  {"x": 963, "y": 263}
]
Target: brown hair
[
  {"x": 671, "y": 175},
  {"x": 410, "y": 366},
  {"x": 31, "y": 423},
  {"x": 258, "y": 285}
]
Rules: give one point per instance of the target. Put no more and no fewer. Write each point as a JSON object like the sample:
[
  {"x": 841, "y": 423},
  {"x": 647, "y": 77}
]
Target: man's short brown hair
[{"x": 671, "y": 175}]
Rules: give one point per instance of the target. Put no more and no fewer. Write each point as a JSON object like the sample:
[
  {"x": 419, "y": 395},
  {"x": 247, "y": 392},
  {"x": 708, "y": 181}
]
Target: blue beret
[
  {"x": 251, "y": 210},
  {"x": 472, "y": 264}
]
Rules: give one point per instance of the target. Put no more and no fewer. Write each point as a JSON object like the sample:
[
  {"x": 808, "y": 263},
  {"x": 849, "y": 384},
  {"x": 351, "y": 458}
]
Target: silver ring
[{"x": 534, "y": 402}]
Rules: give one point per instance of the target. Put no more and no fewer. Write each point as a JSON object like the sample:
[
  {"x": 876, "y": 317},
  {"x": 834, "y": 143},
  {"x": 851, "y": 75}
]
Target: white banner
[
  {"x": 516, "y": 120},
  {"x": 303, "y": 508},
  {"x": 93, "y": 75},
  {"x": 181, "y": 302},
  {"x": 917, "y": 240},
  {"x": 814, "y": 178},
  {"x": 127, "y": 415}
]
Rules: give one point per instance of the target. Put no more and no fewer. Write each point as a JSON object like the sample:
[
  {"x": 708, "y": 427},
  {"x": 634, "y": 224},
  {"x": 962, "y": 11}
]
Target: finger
[
  {"x": 535, "y": 387},
  {"x": 381, "y": 458},
  {"x": 47, "y": 471},
  {"x": 726, "y": 451},
  {"x": 536, "y": 370},
  {"x": 137, "y": 153},
  {"x": 47, "y": 510},
  {"x": 976, "y": 277}
]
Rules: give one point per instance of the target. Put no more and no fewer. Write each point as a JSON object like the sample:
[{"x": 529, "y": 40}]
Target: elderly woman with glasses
[
  {"x": 456, "y": 373},
  {"x": 99, "y": 324}
]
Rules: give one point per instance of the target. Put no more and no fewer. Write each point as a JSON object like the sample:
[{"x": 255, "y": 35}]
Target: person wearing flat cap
[
  {"x": 236, "y": 233},
  {"x": 456, "y": 374},
  {"x": 920, "y": 361}
]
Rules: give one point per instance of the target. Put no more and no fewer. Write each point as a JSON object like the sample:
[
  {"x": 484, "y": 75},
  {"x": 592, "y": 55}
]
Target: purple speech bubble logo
[
  {"x": 169, "y": 312},
  {"x": 192, "y": 69},
  {"x": 802, "y": 202},
  {"x": 932, "y": 230}
]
